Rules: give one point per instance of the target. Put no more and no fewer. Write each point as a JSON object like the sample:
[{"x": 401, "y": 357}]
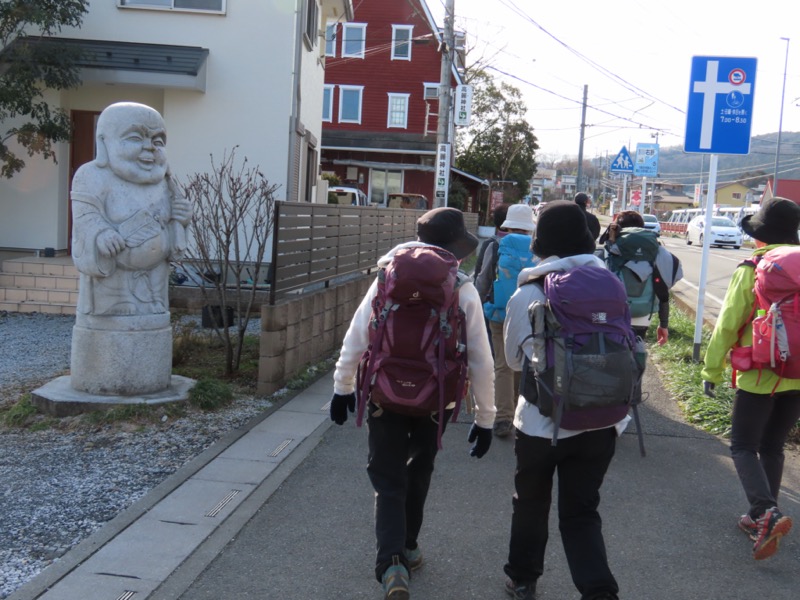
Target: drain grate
[
  {"x": 126, "y": 595},
  {"x": 223, "y": 503},
  {"x": 327, "y": 406},
  {"x": 281, "y": 447}
]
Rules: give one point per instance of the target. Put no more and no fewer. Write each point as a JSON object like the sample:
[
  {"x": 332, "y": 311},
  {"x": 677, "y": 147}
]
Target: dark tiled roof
[
  {"x": 130, "y": 56},
  {"x": 384, "y": 140}
]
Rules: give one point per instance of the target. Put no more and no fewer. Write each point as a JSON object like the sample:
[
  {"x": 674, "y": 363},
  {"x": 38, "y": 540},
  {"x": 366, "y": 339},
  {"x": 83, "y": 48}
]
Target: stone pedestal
[
  {"x": 60, "y": 399},
  {"x": 121, "y": 355}
]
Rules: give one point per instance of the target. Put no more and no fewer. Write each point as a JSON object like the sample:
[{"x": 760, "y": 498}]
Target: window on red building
[
  {"x": 401, "y": 41},
  {"x": 354, "y": 40}
]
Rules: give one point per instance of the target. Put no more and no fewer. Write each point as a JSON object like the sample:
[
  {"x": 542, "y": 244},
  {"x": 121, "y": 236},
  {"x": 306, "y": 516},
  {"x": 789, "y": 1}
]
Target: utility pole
[
  {"x": 780, "y": 123},
  {"x": 443, "y": 125},
  {"x": 578, "y": 187}
]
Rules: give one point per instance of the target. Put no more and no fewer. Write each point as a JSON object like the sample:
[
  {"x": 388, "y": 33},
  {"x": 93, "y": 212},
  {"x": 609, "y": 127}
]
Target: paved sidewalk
[{"x": 284, "y": 511}]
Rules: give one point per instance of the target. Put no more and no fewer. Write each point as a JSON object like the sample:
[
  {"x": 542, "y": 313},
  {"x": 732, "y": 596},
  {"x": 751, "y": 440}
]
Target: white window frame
[
  {"x": 430, "y": 86},
  {"x": 311, "y": 26},
  {"x": 351, "y": 88},
  {"x": 390, "y": 124},
  {"x": 396, "y": 43},
  {"x": 170, "y": 5},
  {"x": 348, "y": 29},
  {"x": 328, "y": 106},
  {"x": 330, "y": 40}
]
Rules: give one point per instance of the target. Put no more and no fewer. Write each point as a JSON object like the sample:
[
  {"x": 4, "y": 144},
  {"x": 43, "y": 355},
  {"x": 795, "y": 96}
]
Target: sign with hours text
[
  {"x": 646, "y": 162},
  {"x": 442, "y": 173},
  {"x": 720, "y": 112},
  {"x": 463, "y": 107}
]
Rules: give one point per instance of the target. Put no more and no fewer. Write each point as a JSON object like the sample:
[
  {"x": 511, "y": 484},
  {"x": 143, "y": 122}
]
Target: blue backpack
[{"x": 513, "y": 255}]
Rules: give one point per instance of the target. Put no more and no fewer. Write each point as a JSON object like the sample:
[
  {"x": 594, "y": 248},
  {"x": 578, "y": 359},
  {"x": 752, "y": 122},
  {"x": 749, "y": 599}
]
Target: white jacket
[
  {"x": 517, "y": 328},
  {"x": 481, "y": 363}
]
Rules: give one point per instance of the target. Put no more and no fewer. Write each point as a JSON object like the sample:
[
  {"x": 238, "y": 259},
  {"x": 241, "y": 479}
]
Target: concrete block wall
[{"x": 304, "y": 330}]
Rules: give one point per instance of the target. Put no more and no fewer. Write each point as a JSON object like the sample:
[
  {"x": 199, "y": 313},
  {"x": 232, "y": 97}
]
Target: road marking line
[{"x": 697, "y": 289}]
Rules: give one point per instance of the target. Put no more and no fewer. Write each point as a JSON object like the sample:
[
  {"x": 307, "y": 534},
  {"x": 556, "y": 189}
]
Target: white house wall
[
  {"x": 247, "y": 103},
  {"x": 249, "y": 78},
  {"x": 30, "y": 216}
]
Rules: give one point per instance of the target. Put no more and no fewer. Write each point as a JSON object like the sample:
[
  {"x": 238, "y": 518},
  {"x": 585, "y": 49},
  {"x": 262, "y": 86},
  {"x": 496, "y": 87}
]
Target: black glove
[
  {"x": 708, "y": 389},
  {"x": 482, "y": 438},
  {"x": 340, "y": 404}
]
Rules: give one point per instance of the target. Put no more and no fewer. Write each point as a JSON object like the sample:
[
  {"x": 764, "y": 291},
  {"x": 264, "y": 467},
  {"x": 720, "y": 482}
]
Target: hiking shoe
[
  {"x": 413, "y": 558},
  {"x": 749, "y": 526},
  {"x": 521, "y": 590},
  {"x": 771, "y": 527},
  {"x": 503, "y": 428},
  {"x": 395, "y": 581}
]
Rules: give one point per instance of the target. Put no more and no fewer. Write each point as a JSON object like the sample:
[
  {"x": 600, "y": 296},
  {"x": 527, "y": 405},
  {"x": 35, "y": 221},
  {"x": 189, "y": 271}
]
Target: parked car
[
  {"x": 724, "y": 232},
  {"x": 651, "y": 223},
  {"x": 412, "y": 201},
  {"x": 347, "y": 195}
]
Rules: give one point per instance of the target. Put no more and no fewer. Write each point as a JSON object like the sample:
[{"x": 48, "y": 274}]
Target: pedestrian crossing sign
[{"x": 622, "y": 163}]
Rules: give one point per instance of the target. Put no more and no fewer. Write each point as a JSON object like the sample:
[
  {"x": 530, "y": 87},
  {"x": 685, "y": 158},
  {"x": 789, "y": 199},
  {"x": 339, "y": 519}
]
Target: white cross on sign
[{"x": 710, "y": 88}]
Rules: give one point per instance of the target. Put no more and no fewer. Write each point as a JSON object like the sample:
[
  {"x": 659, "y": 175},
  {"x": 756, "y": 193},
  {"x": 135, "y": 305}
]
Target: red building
[
  {"x": 381, "y": 106},
  {"x": 787, "y": 188}
]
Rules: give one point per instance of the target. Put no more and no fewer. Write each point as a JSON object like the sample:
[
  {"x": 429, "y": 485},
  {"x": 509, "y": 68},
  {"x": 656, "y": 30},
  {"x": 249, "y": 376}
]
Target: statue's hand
[
  {"x": 181, "y": 210},
  {"x": 110, "y": 243}
]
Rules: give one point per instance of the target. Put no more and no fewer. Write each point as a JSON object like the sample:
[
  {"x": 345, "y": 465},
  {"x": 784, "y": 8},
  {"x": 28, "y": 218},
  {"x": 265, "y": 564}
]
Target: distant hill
[{"x": 675, "y": 165}]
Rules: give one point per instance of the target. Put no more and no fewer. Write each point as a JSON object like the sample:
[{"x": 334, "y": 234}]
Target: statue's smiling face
[{"x": 136, "y": 151}]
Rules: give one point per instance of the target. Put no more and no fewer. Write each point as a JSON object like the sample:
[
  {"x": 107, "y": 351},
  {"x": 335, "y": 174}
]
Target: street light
[{"x": 780, "y": 122}]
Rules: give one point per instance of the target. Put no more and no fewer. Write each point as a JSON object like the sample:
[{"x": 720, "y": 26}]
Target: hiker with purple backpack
[
  {"x": 566, "y": 305},
  {"x": 414, "y": 341},
  {"x": 763, "y": 297}
]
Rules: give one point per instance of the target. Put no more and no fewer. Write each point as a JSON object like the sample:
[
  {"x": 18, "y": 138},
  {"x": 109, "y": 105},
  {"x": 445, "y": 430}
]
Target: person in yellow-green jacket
[{"x": 766, "y": 407}]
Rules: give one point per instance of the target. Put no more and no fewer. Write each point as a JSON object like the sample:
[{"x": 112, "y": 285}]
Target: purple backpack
[
  {"x": 587, "y": 364},
  {"x": 416, "y": 361}
]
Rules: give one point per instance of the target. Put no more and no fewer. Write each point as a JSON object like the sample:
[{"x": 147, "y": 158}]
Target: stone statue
[
  {"x": 129, "y": 221},
  {"x": 129, "y": 218}
]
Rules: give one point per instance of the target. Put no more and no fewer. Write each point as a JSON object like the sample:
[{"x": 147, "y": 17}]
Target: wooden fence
[{"x": 315, "y": 243}]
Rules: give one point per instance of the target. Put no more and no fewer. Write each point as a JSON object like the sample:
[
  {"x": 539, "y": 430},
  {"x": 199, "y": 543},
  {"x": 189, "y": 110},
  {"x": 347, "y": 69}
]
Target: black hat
[
  {"x": 444, "y": 227},
  {"x": 582, "y": 199},
  {"x": 776, "y": 222},
  {"x": 561, "y": 230}
]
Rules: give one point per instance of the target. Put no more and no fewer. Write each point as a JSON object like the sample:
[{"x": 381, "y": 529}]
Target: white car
[
  {"x": 724, "y": 232},
  {"x": 651, "y": 223},
  {"x": 347, "y": 195}
]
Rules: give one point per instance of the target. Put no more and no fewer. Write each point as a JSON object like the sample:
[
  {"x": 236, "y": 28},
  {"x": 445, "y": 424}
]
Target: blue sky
[{"x": 635, "y": 56}]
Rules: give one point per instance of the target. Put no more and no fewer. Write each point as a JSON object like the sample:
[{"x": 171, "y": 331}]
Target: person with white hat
[{"x": 496, "y": 283}]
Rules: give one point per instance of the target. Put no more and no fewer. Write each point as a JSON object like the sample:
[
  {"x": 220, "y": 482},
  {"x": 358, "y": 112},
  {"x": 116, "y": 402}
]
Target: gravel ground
[{"x": 61, "y": 484}]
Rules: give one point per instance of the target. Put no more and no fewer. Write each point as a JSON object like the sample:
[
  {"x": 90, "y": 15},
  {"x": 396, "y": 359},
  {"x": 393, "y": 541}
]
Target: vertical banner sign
[
  {"x": 442, "y": 173},
  {"x": 646, "y": 163},
  {"x": 463, "y": 108}
]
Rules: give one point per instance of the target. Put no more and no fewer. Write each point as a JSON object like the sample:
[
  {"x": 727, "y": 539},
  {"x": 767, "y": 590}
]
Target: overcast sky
[{"x": 635, "y": 56}]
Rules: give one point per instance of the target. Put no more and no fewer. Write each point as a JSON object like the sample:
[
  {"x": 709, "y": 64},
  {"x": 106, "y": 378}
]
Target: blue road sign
[
  {"x": 622, "y": 163},
  {"x": 646, "y": 163},
  {"x": 720, "y": 111}
]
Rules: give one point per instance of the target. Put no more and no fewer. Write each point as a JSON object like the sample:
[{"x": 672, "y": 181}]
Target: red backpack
[
  {"x": 416, "y": 361},
  {"x": 776, "y": 331}
]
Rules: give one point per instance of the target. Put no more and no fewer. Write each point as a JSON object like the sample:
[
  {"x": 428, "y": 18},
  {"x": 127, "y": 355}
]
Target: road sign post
[{"x": 718, "y": 121}]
